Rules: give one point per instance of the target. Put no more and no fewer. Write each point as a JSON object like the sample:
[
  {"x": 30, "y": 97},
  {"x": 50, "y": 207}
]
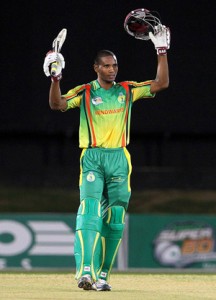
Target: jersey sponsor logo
[
  {"x": 121, "y": 98},
  {"x": 97, "y": 100},
  {"x": 90, "y": 177},
  {"x": 109, "y": 111}
]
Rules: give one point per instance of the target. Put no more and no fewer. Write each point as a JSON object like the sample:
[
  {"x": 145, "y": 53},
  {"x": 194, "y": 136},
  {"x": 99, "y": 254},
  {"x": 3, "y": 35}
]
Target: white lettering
[
  {"x": 22, "y": 238},
  {"x": 173, "y": 235}
]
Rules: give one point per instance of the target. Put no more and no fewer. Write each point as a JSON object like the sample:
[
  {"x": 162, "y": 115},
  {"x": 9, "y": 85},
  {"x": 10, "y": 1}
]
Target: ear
[{"x": 96, "y": 68}]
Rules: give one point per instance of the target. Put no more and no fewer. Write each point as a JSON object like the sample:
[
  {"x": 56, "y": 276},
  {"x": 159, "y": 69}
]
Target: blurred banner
[
  {"x": 173, "y": 241},
  {"x": 46, "y": 241},
  {"x": 30, "y": 241}
]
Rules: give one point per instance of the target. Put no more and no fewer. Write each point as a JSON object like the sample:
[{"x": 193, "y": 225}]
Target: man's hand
[
  {"x": 161, "y": 39},
  {"x": 54, "y": 63}
]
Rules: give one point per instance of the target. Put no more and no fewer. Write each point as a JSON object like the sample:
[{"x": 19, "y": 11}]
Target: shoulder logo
[
  {"x": 121, "y": 98},
  {"x": 97, "y": 100}
]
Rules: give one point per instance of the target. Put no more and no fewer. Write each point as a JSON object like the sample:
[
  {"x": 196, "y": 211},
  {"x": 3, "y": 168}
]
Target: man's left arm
[
  {"x": 161, "y": 81},
  {"x": 161, "y": 41}
]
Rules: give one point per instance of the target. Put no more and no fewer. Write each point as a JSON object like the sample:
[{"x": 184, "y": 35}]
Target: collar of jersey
[{"x": 96, "y": 85}]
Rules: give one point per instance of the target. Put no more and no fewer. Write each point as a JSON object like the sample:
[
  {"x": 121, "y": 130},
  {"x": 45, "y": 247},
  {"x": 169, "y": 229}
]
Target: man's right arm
[{"x": 56, "y": 101}]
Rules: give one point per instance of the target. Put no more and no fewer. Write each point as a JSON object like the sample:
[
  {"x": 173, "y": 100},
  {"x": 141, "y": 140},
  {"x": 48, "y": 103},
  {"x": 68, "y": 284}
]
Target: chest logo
[
  {"x": 97, "y": 100},
  {"x": 121, "y": 98}
]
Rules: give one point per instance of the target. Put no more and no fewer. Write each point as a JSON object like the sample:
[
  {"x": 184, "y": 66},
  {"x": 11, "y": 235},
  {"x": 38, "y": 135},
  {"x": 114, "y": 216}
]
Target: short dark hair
[{"x": 103, "y": 53}]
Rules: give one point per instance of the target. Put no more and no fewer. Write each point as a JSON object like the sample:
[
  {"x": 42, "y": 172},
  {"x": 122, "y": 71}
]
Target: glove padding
[
  {"x": 50, "y": 58},
  {"x": 161, "y": 39}
]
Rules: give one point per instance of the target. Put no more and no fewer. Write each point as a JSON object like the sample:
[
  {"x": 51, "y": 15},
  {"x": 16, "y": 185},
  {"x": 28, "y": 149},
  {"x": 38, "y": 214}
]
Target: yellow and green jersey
[{"x": 105, "y": 115}]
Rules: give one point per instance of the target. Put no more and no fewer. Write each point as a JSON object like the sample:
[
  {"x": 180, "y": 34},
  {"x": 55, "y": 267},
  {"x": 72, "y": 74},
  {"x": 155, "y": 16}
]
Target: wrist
[
  {"x": 161, "y": 51},
  {"x": 56, "y": 78}
]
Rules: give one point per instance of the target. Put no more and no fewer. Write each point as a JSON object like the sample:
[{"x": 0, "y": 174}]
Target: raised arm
[
  {"x": 161, "y": 81},
  {"x": 161, "y": 41},
  {"x": 56, "y": 101}
]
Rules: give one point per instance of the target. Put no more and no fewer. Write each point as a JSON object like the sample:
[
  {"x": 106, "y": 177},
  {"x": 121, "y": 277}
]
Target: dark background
[{"x": 173, "y": 141}]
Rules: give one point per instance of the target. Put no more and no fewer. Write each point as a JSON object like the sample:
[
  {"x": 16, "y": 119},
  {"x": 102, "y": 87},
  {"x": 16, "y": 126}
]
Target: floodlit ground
[{"x": 124, "y": 286}]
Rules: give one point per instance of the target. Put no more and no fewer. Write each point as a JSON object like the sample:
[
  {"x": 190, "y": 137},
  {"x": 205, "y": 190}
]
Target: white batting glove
[
  {"x": 161, "y": 39},
  {"x": 53, "y": 65}
]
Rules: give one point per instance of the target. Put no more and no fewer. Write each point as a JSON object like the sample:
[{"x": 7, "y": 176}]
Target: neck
[{"x": 104, "y": 84}]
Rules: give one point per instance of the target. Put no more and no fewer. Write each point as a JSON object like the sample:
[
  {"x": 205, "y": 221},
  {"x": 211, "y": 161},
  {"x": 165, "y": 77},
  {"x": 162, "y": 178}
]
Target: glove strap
[
  {"x": 161, "y": 51},
  {"x": 56, "y": 78}
]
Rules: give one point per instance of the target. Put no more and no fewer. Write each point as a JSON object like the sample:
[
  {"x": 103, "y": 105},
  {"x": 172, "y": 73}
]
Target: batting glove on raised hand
[
  {"x": 53, "y": 65},
  {"x": 161, "y": 39}
]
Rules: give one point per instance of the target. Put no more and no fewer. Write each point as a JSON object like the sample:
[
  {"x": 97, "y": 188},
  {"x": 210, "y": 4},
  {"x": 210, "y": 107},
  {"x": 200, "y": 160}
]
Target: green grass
[
  {"x": 59, "y": 200},
  {"x": 124, "y": 287},
  {"x": 21, "y": 199}
]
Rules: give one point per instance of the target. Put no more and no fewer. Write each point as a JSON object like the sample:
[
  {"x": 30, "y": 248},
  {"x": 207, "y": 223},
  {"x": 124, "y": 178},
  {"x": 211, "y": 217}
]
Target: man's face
[{"x": 107, "y": 69}]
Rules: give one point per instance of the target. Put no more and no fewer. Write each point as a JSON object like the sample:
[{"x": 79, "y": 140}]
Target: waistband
[{"x": 105, "y": 149}]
